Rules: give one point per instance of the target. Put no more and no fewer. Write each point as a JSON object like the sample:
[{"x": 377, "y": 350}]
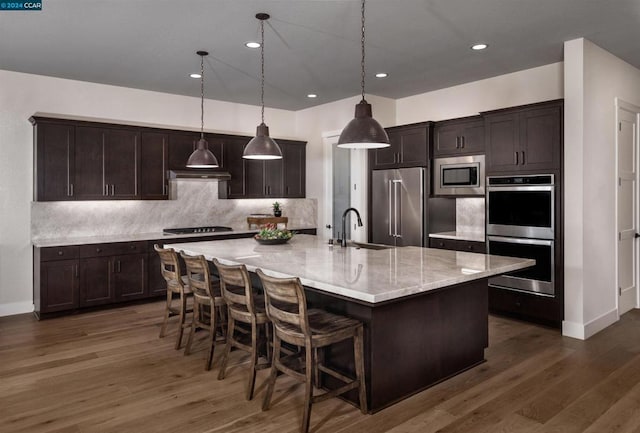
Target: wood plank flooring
[{"x": 108, "y": 371}]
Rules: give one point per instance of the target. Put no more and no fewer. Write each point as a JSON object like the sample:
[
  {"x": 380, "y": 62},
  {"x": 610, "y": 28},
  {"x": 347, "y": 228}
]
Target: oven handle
[
  {"x": 521, "y": 188},
  {"x": 520, "y": 240}
]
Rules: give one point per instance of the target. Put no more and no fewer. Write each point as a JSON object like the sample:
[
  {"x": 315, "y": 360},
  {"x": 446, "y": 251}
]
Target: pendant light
[
  {"x": 262, "y": 146},
  {"x": 363, "y": 132},
  {"x": 202, "y": 157}
]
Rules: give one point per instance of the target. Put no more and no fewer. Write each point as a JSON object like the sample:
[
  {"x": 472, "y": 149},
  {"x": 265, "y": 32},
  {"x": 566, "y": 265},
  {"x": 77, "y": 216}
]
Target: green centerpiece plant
[{"x": 272, "y": 232}]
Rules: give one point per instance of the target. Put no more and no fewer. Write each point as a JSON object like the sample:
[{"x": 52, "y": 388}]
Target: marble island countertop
[
  {"x": 371, "y": 276},
  {"x": 132, "y": 237},
  {"x": 475, "y": 236}
]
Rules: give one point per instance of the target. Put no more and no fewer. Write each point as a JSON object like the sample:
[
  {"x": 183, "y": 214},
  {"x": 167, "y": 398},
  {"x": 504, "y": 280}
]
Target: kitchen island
[{"x": 424, "y": 310}]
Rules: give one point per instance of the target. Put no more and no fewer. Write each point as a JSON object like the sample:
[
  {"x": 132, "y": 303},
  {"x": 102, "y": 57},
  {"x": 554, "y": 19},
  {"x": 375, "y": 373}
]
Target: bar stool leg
[
  {"x": 183, "y": 309},
  {"x": 308, "y": 391},
  {"x": 167, "y": 313},
  {"x": 227, "y": 347},
  {"x": 212, "y": 337},
  {"x": 274, "y": 372},
  {"x": 196, "y": 315},
  {"x": 254, "y": 360},
  {"x": 358, "y": 348}
]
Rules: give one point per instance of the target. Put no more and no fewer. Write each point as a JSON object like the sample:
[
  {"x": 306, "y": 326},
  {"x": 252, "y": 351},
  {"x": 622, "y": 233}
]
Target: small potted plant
[{"x": 277, "y": 209}]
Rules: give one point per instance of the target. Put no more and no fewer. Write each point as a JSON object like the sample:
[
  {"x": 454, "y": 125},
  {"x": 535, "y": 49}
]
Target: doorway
[
  {"x": 345, "y": 186},
  {"x": 627, "y": 122}
]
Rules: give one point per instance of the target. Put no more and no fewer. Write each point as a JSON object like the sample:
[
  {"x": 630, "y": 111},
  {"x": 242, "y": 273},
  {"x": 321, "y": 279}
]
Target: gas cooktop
[{"x": 192, "y": 230}]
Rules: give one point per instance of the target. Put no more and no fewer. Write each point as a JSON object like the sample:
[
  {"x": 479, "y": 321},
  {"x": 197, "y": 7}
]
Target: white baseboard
[
  {"x": 16, "y": 308},
  {"x": 583, "y": 331}
]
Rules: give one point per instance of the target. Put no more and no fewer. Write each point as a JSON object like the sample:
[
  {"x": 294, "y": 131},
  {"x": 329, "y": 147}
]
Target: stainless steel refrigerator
[{"x": 398, "y": 206}]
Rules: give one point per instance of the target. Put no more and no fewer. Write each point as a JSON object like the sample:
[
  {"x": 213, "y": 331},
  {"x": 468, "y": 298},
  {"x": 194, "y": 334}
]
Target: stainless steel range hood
[{"x": 199, "y": 174}]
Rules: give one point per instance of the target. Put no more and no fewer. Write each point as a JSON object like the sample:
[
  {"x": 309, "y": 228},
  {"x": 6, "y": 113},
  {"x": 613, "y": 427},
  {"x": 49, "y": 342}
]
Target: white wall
[
  {"x": 22, "y": 95},
  {"x": 518, "y": 88},
  {"x": 590, "y": 166}
]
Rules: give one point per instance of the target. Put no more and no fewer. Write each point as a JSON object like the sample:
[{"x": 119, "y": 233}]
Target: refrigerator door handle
[
  {"x": 396, "y": 206},
  {"x": 390, "y": 204}
]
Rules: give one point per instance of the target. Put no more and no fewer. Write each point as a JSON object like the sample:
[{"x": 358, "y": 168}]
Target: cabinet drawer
[
  {"x": 458, "y": 245},
  {"x": 111, "y": 249},
  {"x": 59, "y": 253},
  {"x": 540, "y": 309}
]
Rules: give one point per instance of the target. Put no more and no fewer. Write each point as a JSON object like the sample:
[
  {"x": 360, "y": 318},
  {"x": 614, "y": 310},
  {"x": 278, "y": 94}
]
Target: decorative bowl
[
  {"x": 271, "y": 241},
  {"x": 270, "y": 234}
]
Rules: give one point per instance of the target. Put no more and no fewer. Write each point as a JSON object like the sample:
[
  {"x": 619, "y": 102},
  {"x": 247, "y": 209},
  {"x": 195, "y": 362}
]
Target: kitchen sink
[{"x": 367, "y": 246}]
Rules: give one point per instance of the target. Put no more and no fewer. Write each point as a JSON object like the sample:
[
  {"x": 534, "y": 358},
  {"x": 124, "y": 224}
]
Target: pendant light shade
[
  {"x": 202, "y": 157},
  {"x": 262, "y": 146},
  {"x": 363, "y": 132}
]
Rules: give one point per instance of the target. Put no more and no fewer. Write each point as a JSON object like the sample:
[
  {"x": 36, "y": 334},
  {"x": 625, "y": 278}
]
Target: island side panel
[{"x": 412, "y": 343}]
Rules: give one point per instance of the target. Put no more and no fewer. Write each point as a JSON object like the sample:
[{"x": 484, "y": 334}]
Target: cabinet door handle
[
  {"x": 515, "y": 158},
  {"x": 287, "y": 190},
  {"x": 113, "y": 189},
  {"x": 118, "y": 266},
  {"x": 105, "y": 189},
  {"x": 77, "y": 272},
  {"x": 523, "y": 158},
  {"x": 462, "y": 142},
  {"x": 457, "y": 142}
]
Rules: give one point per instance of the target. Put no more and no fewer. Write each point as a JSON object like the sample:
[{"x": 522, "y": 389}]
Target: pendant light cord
[
  {"x": 201, "y": 97},
  {"x": 262, "y": 69},
  {"x": 362, "y": 47}
]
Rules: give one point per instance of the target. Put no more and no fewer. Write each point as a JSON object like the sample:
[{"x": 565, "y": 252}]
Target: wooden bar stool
[
  {"x": 176, "y": 283},
  {"x": 312, "y": 329},
  {"x": 208, "y": 305},
  {"x": 244, "y": 306}
]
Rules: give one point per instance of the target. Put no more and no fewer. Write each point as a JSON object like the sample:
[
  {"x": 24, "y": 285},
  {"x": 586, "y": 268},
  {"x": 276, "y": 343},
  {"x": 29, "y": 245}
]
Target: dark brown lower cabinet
[
  {"x": 66, "y": 279},
  {"x": 58, "y": 286},
  {"x": 95, "y": 284}
]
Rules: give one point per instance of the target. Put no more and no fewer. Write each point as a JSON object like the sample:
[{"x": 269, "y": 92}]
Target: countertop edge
[{"x": 133, "y": 237}]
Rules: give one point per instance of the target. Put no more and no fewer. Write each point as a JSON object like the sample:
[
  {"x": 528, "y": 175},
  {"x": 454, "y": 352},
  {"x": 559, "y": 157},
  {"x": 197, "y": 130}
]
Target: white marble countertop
[
  {"x": 460, "y": 235},
  {"x": 132, "y": 237},
  {"x": 371, "y": 276}
]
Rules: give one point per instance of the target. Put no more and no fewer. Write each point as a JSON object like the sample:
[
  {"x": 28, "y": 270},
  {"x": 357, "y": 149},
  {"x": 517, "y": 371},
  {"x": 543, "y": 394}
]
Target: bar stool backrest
[
  {"x": 198, "y": 275},
  {"x": 236, "y": 288},
  {"x": 170, "y": 268},
  {"x": 286, "y": 304}
]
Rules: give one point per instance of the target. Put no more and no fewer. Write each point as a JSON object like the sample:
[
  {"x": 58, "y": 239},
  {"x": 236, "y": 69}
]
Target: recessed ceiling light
[
  {"x": 195, "y": 75},
  {"x": 312, "y": 95},
  {"x": 382, "y": 75},
  {"x": 478, "y": 47},
  {"x": 252, "y": 45}
]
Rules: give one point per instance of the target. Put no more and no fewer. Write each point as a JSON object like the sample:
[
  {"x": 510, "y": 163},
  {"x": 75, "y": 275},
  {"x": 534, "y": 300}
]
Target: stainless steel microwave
[{"x": 459, "y": 175}]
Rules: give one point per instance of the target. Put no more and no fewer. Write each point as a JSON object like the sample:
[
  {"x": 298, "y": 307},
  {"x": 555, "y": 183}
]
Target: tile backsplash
[
  {"x": 470, "y": 214},
  {"x": 194, "y": 202}
]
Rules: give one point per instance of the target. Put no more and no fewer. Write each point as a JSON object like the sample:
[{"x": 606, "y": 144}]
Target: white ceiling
[{"x": 312, "y": 46}]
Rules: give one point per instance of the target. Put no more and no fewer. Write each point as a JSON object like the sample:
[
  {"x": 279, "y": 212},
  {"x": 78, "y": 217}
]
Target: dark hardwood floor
[{"x": 108, "y": 371}]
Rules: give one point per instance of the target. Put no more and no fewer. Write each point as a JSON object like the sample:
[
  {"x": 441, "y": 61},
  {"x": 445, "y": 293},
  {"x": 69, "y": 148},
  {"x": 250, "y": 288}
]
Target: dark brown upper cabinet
[
  {"x": 154, "y": 163},
  {"x": 106, "y": 163},
  {"x": 294, "y": 168},
  {"x": 55, "y": 165},
  {"x": 409, "y": 148},
  {"x": 264, "y": 179},
  {"x": 524, "y": 139},
  {"x": 458, "y": 137},
  {"x": 79, "y": 160}
]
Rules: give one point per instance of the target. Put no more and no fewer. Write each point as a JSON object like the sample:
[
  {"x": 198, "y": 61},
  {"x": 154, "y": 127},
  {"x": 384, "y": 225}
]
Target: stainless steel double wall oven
[{"x": 521, "y": 223}]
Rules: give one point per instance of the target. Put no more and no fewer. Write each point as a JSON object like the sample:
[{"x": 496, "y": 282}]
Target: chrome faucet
[{"x": 344, "y": 224}]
